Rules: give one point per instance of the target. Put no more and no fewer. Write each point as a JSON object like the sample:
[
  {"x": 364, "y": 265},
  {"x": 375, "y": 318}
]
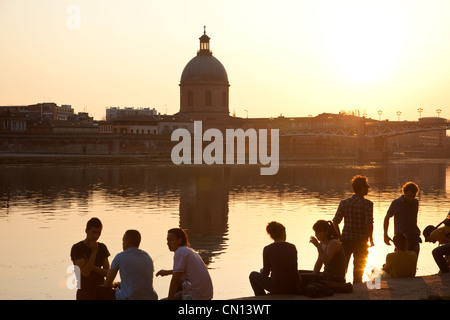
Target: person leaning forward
[
  {"x": 357, "y": 213},
  {"x": 136, "y": 273}
]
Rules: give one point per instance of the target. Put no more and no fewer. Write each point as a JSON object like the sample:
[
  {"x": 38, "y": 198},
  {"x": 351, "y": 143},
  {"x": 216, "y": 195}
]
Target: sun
[{"x": 363, "y": 42}]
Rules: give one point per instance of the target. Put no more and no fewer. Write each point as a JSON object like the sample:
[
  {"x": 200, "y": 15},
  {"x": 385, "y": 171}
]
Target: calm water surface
[{"x": 44, "y": 210}]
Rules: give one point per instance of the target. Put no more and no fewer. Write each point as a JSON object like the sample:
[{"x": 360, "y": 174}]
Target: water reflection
[
  {"x": 203, "y": 193},
  {"x": 224, "y": 208}
]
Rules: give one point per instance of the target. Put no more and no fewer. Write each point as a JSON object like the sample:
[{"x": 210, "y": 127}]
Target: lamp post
[
  {"x": 438, "y": 111},
  {"x": 379, "y": 114},
  {"x": 398, "y": 114},
  {"x": 420, "y": 110}
]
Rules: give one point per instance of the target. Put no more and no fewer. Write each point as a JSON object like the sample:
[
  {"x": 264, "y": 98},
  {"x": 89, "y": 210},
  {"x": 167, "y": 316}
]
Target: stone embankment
[{"x": 425, "y": 287}]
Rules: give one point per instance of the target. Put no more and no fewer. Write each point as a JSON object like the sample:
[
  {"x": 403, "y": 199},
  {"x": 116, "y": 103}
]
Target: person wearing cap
[{"x": 442, "y": 236}]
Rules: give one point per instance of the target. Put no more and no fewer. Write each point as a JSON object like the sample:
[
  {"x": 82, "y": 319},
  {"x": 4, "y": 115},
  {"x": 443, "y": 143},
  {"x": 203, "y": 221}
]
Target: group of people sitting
[
  {"x": 136, "y": 268},
  {"x": 280, "y": 274}
]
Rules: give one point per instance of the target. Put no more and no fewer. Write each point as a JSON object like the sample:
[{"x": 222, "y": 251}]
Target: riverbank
[{"x": 418, "y": 288}]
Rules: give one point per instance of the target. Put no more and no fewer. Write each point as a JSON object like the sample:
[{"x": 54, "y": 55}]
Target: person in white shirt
[{"x": 187, "y": 265}]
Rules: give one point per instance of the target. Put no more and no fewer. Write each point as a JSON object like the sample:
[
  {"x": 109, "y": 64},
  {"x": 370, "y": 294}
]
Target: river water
[{"x": 225, "y": 209}]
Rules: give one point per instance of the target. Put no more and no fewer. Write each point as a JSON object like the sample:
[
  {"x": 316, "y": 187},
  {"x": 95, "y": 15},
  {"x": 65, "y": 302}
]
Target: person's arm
[
  {"x": 369, "y": 229},
  {"x": 174, "y": 283},
  {"x": 387, "y": 239},
  {"x": 110, "y": 278},
  {"x": 265, "y": 271},
  {"x": 368, "y": 208},
  {"x": 338, "y": 218},
  {"x": 317, "y": 266},
  {"x": 325, "y": 256},
  {"x": 103, "y": 271},
  {"x": 86, "y": 267},
  {"x": 164, "y": 273}
]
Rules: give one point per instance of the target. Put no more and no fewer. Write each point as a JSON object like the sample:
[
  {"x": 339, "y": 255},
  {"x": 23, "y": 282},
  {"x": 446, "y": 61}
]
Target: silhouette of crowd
[{"x": 190, "y": 278}]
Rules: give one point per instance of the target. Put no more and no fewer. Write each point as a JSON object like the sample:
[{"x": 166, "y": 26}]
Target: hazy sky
[{"x": 291, "y": 57}]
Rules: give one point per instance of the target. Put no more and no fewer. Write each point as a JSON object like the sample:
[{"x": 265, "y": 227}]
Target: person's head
[
  {"x": 400, "y": 241},
  {"x": 131, "y": 238},
  {"x": 176, "y": 238},
  {"x": 93, "y": 229},
  {"x": 410, "y": 190},
  {"x": 360, "y": 185},
  {"x": 276, "y": 231},
  {"x": 426, "y": 233},
  {"x": 324, "y": 230}
]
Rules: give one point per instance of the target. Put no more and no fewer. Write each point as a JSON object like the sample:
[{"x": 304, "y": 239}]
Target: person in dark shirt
[
  {"x": 405, "y": 210},
  {"x": 91, "y": 257},
  {"x": 279, "y": 274}
]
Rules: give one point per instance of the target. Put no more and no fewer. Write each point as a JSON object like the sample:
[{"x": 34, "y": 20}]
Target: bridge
[
  {"x": 374, "y": 129},
  {"x": 367, "y": 138}
]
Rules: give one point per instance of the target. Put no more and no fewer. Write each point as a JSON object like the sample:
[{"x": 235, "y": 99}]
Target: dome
[{"x": 204, "y": 68}]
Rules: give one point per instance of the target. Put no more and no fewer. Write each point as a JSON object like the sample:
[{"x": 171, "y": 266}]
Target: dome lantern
[{"x": 204, "y": 43}]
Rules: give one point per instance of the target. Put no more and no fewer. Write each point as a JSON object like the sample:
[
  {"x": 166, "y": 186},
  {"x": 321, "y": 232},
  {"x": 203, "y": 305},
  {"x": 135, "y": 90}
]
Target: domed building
[{"x": 204, "y": 86}]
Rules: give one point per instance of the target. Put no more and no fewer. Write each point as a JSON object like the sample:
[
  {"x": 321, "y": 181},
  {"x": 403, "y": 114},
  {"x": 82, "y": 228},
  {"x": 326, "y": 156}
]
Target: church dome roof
[{"x": 204, "y": 67}]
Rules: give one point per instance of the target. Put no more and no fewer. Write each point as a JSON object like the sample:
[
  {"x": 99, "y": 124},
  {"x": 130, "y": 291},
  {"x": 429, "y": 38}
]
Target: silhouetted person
[
  {"x": 357, "y": 213},
  {"x": 401, "y": 263},
  {"x": 442, "y": 236},
  {"x": 187, "y": 265},
  {"x": 279, "y": 274},
  {"x": 330, "y": 255},
  {"x": 91, "y": 257},
  {"x": 405, "y": 210},
  {"x": 136, "y": 273}
]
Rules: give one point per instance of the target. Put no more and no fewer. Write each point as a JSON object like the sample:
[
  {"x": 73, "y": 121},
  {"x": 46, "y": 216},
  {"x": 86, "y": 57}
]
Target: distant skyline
[{"x": 293, "y": 58}]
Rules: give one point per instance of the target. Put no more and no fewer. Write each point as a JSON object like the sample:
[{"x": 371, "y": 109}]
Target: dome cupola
[{"x": 204, "y": 83}]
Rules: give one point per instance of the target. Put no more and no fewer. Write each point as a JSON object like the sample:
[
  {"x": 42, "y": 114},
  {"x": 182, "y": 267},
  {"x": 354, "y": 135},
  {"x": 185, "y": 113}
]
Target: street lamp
[
  {"x": 438, "y": 111},
  {"x": 398, "y": 114},
  {"x": 420, "y": 110},
  {"x": 379, "y": 114}
]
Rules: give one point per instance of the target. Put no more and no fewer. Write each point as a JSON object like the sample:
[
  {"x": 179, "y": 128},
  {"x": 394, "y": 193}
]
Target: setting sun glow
[{"x": 363, "y": 42}]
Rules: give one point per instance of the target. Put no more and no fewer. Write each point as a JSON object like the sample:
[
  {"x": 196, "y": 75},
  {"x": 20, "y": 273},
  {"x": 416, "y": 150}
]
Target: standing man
[
  {"x": 136, "y": 272},
  {"x": 91, "y": 257},
  {"x": 405, "y": 210},
  {"x": 187, "y": 265},
  {"x": 357, "y": 213}
]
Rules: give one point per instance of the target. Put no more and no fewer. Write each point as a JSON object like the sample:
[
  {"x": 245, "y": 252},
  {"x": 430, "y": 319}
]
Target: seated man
[
  {"x": 187, "y": 265},
  {"x": 441, "y": 235},
  {"x": 401, "y": 263},
  {"x": 136, "y": 273}
]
